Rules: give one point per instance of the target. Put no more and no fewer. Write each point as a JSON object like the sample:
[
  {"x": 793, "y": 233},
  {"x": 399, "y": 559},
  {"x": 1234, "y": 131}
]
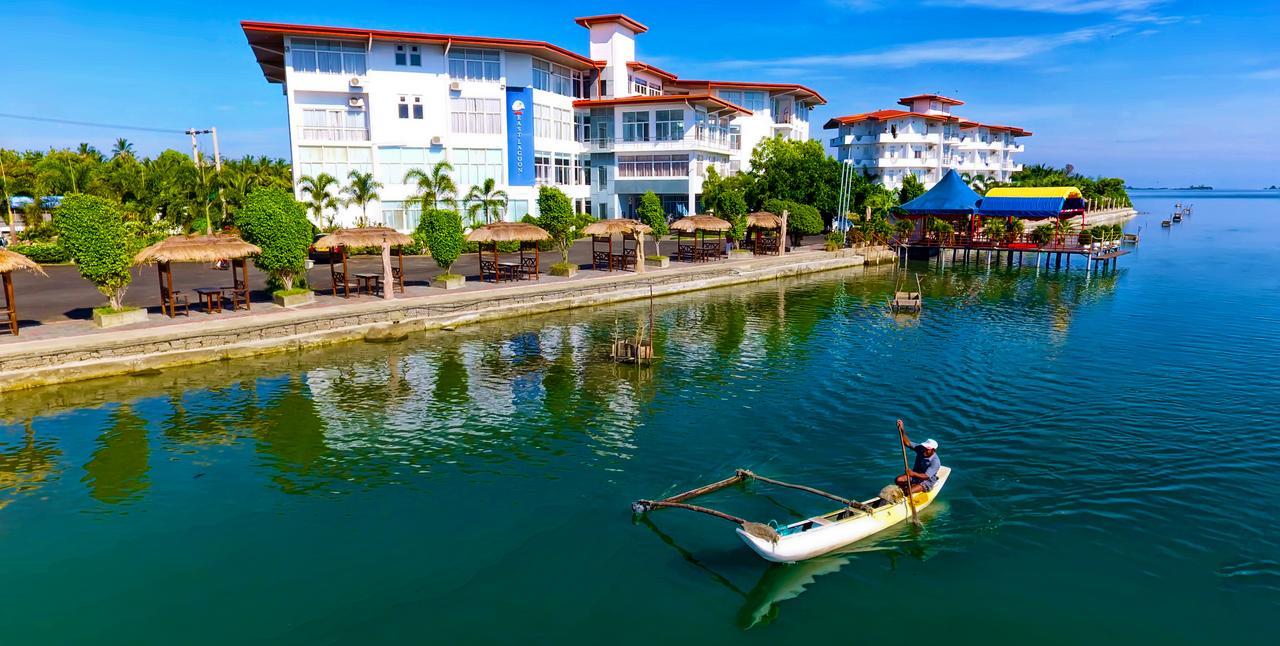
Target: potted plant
[
  {"x": 441, "y": 231},
  {"x": 93, "y": 232},
  {"x": 278, "y": 224}
]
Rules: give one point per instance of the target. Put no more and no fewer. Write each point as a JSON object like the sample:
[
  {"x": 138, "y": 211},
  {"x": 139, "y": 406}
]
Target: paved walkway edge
[{"x": 54, "y": 361}]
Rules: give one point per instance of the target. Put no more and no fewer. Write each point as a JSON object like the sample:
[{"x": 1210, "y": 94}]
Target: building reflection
[{"x": 26, "y": 465}]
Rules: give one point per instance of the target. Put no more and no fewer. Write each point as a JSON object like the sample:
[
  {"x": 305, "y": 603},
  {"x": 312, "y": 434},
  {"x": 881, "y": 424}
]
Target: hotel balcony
[
  {"x": 688, "y": 142},
  {"x": 1016, "y": 148},
  {"x": 903, "y": 138},
  {"x": 907, "y": 162}
]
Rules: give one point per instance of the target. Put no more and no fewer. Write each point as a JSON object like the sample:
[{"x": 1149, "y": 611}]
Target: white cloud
[
  {"x": 1003, "y": 49},
  {"x": 1264, "y": 75}
]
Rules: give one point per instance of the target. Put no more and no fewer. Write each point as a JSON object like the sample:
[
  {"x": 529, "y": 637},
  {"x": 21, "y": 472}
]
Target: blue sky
[{"x": 1163, "y": 93}]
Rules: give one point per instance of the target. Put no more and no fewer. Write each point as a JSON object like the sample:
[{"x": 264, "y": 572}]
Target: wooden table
[
  {"x": 370, "y": 281},
  {"x": 511, "y": 268},
  {"x": 212, "y": 297}
]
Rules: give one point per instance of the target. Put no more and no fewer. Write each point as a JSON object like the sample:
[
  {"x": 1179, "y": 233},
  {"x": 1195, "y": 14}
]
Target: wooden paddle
[{"x": 906, "y": 473}]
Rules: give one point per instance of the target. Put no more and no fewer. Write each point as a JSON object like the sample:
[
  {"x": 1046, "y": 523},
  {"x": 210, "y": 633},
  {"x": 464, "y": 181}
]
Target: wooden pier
[{"x": 1050, "y": 256}]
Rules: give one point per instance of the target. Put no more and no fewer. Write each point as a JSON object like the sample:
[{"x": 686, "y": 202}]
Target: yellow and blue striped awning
[{"x": 1064, "y": 192}]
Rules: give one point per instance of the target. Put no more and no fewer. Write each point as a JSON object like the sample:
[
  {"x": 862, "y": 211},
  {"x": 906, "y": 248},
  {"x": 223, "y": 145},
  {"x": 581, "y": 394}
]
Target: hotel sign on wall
[{"x": 519, "y": 137}]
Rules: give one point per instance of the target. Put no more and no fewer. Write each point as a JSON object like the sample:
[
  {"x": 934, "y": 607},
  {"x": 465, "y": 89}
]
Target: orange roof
[
  {"x": 883, "y": 115},
  {"x": 906, "y": 100},
  {"x": 661, "y": 98},
  {"x": 588, "y": 21},
  {"x": 645, "y": 67},
  {"x": 786, "y": 87},
  {"x": 267, "y": 41}
]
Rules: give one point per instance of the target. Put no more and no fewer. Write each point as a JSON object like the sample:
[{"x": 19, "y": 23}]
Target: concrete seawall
[{"x": 54, "y": 361}]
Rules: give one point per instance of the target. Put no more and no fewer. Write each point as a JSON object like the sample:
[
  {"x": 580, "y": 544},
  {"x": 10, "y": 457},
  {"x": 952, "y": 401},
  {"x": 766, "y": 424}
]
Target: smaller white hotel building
[
  {"x": 925, "y": 140},
  {"x": 603, "y": 127}
]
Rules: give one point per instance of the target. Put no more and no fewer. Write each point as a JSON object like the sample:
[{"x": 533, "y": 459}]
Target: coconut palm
[
  {"x": 975, "y": 181},
  {"x": 362, "y": 190},
  {"x": 433, "y": 187},
  {"x": 485, "y": 200},
  {"x": 122, "y": 147},
  {"x": 321, "y": 198}
]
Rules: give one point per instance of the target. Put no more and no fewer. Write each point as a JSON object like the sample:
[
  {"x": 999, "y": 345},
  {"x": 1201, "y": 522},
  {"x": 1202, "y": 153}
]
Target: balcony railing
[
  {"x": 317, "y": 133},
  {"x": 725, "y": 142}
]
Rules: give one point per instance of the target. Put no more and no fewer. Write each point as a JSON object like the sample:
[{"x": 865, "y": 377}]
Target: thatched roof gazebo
[
  {"x": 522, "y": 232},
  {"x": 761, "y": 221},
  {"x": 199, "y": 248},
  {"x": 698, "y": 226},
  {"x": 384, "y": 237},
  {"x": 604, "y": 230},
  {"x": 11, "y": 261}
]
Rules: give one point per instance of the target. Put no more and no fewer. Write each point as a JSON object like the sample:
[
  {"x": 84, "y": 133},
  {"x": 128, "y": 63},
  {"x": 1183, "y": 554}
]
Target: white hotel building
[
  {"x": 605, "y": 127},
  {"x": 925, "y": 140}
]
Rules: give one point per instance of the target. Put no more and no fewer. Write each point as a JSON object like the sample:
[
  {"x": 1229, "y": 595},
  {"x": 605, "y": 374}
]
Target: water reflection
[
  {"x": 26, "y": 464},
  {"x": 117, "y": 472}
]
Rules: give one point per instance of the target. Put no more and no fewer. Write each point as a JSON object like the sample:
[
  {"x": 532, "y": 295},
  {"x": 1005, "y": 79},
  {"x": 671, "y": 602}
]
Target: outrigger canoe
[
  {"x": 829, "y": 532},
  {"x": 810, "y": 537}
]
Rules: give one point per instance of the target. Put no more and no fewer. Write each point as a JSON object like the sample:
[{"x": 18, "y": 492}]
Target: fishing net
[{"x": 891, "y": 493}]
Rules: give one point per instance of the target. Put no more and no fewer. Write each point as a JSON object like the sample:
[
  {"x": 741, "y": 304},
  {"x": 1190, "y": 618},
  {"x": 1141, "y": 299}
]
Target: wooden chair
[
  {"x": 488, "y": 267},
  {"x": 529, "y": 268},
  {"x": 710, "y": 250},
  {"x": 601, "y": 258},
  {"x": 239, "y": 295},
  {"x": 685, "y": 250},
  {"x": 340, "y": 280},
  {"x": 171, "y": 300},
  {"x": 397, "y": 275}
]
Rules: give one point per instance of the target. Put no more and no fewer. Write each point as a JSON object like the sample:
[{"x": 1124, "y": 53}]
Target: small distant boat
[
  {"x": 826, "y": 533},
  {"x": 1177, "y": 216},
  {"x": 1166, "y": 223},
  {"x": 1131, "y": 238}
]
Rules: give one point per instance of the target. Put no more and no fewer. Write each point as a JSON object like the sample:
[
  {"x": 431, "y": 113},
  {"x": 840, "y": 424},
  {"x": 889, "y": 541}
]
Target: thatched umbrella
[
  {"x": 198, "y": 248},
  {"x": 11, "y": 261},
  {"x": 763, "y": 221},
  {"x": 695, "y": 224},
  {"x": 507, "y": 232},
  {"x": 625, "y": 226},
  {"x": 384, "y": 237}
]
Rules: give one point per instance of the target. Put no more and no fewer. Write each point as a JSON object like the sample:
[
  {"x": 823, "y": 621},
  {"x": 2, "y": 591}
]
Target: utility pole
[{"x": 217, "y": 168}]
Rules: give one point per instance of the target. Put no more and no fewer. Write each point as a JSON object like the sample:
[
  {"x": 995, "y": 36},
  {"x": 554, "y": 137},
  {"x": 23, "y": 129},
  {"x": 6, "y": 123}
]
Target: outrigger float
[{"x": 812, "y": 536}]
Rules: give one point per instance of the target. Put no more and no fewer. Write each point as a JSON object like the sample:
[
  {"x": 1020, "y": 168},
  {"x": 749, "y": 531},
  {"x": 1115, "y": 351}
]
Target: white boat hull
[{"x": 825, "y": 533}]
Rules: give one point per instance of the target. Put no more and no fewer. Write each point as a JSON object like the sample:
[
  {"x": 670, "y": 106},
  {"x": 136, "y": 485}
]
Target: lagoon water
[{"x": 1113, "y": 437}]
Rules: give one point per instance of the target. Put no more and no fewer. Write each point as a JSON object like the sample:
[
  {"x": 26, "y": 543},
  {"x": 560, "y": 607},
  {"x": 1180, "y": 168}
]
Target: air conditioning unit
[
  {"x": 455, "y": 87},
  {"x": 356, "y": 102},
  {"x": 356, "y": 81},
  {"x": 436, "y": 141}
]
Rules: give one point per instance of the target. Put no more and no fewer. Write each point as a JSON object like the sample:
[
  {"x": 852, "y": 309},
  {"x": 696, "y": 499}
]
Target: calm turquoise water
[{"x": 1113, "y": 440}]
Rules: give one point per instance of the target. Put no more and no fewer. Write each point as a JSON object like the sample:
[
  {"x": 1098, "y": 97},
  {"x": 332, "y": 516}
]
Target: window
[
  {"x": 410, "y": 106},
  {"x": 645, "y": 88},
  {"x": 602, "y": 175},
  {"x": 541, "y": 168},
  {"x": 327, "y": 56},
  {"x": 581, "y": 127},
  {"x": 402, "y": 216},
  {"x": 476, "y": 116},
  {"x": 471, "y": 166},
  {"x": 669, "y": 125},
  {"x": 635, "y": 126},
  {"x": 564, "y": 169},
  {"x": 474, "y": 64},
  {"x": 735, "y": 137},
  {"x": 582, "y": 172},
  {"x": 338, "y": 161},
  {"x": 334, "y": 124},
  {"x": 552, "y": 123},
  {"x": 517, "y": 209},
  {"x": 394, "y": 162},
  {"x": 653, "y": 166},
  {"x": 408, "y": 55},
  {"x": 559, "y": 79},
  {"x": 752, "y": 100}
]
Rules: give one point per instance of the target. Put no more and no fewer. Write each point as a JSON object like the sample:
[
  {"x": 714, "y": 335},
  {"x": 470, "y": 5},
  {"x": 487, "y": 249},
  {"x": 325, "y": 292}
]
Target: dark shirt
[{"x": 928, "y": 466}]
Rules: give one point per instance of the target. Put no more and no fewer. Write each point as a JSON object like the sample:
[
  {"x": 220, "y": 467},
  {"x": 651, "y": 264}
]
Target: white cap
[{"x": 930, "y": 444}]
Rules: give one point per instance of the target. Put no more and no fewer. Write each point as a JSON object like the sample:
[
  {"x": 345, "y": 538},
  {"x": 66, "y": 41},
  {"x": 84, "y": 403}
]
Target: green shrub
[
  {"x": 278, "y": 224},
  {"x": 92, "y": 230},
  {"x": 442, "y": 232},
  {"x": 733, "y": 209},
  {"x": 651, "y": 213},
  {"x": 802, "y": 219},
  {"x": 835, "y": 240},
  {"x": 45, "y": 253},
  {"x": 556, "y": 216},
  {"x": 1042, "y": 234}
]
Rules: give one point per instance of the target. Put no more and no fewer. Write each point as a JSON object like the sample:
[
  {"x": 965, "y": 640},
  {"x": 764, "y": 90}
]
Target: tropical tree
[
  {"x": 362, "y": 190},
  {"x": 320, "y": 196},
  {"x": 122, "y": 147},
  {"x": 278, "y": 224},
  {"x": 442, "y": 231},
  {"x": 486, "y": 201},
  {"x": 92, "y": 229},
  {"x": 652, "y": 214},
  {"x": 910, "y": 190},
  {"x": 976, "y": 181},
  {"x": 434, "y": 186},
  {"x": 556, "y": 216}
]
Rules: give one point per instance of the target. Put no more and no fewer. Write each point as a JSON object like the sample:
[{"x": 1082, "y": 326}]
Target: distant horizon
[{"x": 1131, "y": 90}]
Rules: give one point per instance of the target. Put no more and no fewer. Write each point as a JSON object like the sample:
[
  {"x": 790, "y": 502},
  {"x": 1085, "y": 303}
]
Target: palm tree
[
  {"x": 485, "y": 200},
  {"x": 122, "y": 147},
  {"x": 362, "y": 190},
  {"x": 317, "y": 190},
  {"x": 975, "y": 181},
  {"x": 433, "y": 187}
]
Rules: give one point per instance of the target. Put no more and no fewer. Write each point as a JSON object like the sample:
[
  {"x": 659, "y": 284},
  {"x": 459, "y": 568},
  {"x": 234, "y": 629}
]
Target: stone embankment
[{"x": 30, "y": 364}]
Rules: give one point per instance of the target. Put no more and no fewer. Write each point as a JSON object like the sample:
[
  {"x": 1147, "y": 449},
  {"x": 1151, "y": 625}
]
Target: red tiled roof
[
  {"x": 645, "y": 67},
  {"x": 267, "y": 41},
  {"x": 661, "y": 98},
  {"x": 906, "y": 100},
  {"x": 883, "y": 115},
  {"x": 588, "y": 21},
  {"x": 793, "y": 87}
]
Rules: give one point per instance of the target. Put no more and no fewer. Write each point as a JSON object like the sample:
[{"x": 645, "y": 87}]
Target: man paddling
[{"x": 924, "y": 473}]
